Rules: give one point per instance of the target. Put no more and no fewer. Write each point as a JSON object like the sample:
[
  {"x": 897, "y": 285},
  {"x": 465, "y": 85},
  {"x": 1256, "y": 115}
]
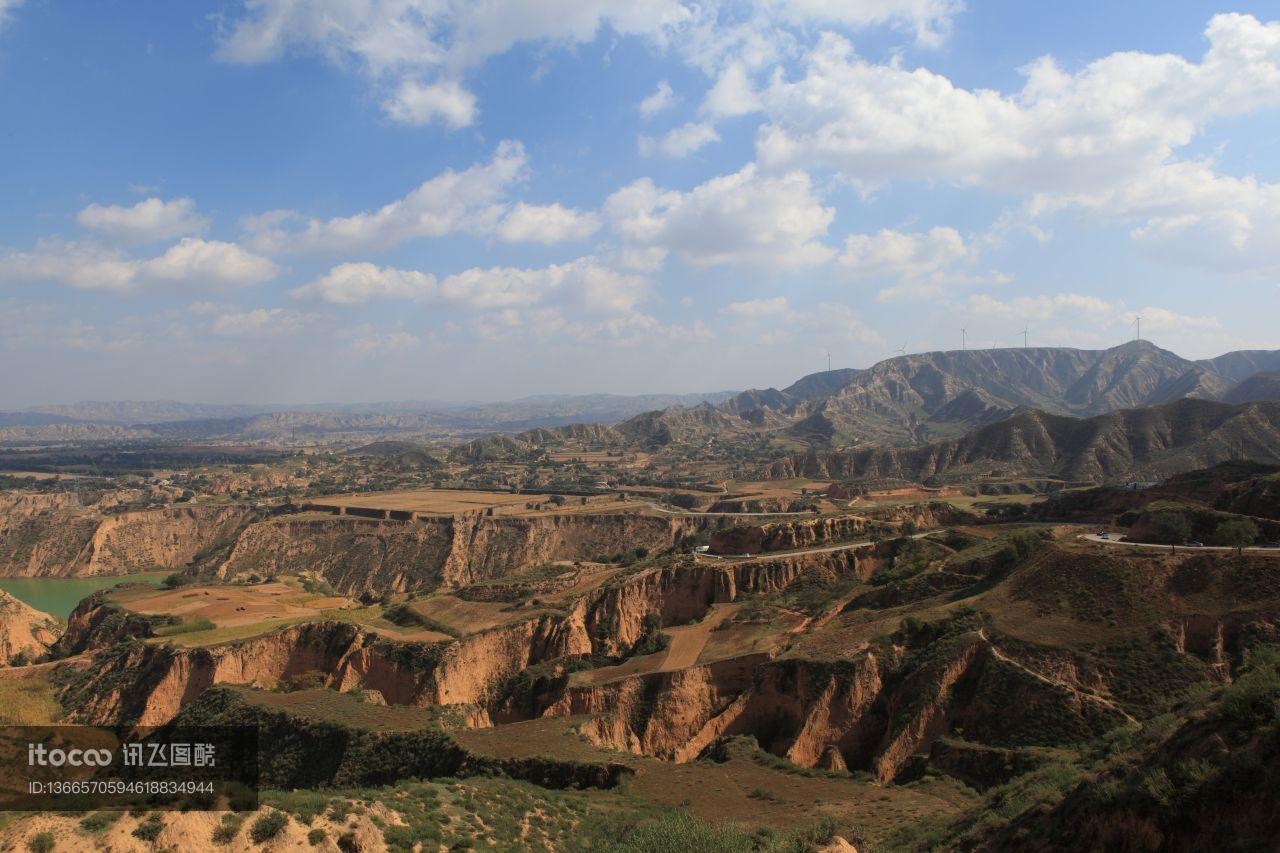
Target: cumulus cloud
[
  {"x": 585, "y": 283},
  {"x": 1188, "y": 214},
  {"x": 1118, "y": 115},
  {"x": 411, "y": 40},
  {"x": 546, "y": 223},
  {"x": 1074, "y": 319},
  {"x": 191, "y": 263},
  {"x": 1103, "y": 139},
  {"x": 930, "y": 20},
  {"x": 415, "y": 102},
  {"x": 1057, "y": 306},
  {"x": 663, "y": 98},
  {"x": 473, "y": 201},
  {"x": 147, "y": 221},
  {"x": 680, "y": 142},
  {"x": 743, "y": 218},
  {"x": 902, "y": 255},
  {"x": 467, "y": 201},
  {"x": 732, "y": 94},
  {"x": 260, "y": 323},
  {"x": 357, "y": 283}
]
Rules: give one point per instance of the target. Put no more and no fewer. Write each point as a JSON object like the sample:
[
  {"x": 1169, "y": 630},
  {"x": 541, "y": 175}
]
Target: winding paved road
[{"x": 1094, "y": 537}]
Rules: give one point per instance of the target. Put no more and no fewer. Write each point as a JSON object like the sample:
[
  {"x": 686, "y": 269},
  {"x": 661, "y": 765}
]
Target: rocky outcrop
[
  {"x": 25, "y": 633},
  {"x": 355, "y": 554},
  {"x": 52, "y": 535},
  {"x": 809, "y": 532},
  {"x": 43, "y": 534},
  {"x": 173, "y": 537},
  {"x": 148, "y": 685},
  {"x": 881, "y": 712},
  {"x": 95, "y": 624}
]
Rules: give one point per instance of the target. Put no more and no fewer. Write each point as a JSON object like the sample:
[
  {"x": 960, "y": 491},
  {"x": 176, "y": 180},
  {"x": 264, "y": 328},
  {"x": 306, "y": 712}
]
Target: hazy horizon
[{"x": 428, "y": 403}]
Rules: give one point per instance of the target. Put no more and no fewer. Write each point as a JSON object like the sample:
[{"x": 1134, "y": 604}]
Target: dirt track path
[
  {"x": 1056, "y": 682},
  {"x": 688, "y": 641}
]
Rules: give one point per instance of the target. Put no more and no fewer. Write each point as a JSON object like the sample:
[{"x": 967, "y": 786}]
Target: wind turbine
[
  {"x": 1137, "y": 325},
  {"x": 964, "y": 343},
  {"x": 902, "y": 350},
  {"x": 828, "y": 361},
  {"x": 1025, "y": 330}
]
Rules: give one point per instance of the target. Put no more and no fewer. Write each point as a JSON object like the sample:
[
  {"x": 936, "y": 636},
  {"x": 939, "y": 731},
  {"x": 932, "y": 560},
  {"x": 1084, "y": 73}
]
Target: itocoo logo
[{"x": 39, "y": 755}]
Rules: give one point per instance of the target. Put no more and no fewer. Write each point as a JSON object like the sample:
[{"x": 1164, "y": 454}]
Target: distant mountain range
[
  {"x": 927, "y": 402},
  {"x": 174, "y": 420},
  {"x": 914, "y": 399},
  {"x": 1133, "y": 444}
]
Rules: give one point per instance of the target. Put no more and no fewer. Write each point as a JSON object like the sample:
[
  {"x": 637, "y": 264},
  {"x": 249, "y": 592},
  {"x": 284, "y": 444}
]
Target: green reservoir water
[{"x": 60, "y": 596}]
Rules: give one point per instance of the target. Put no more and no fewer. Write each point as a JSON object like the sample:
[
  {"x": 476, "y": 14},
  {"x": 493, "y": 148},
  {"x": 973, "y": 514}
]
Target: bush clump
[{"x": 268, "y": 826}]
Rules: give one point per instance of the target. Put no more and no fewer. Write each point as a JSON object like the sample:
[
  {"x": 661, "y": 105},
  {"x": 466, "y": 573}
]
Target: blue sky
[{"x": 364, "y": 200}]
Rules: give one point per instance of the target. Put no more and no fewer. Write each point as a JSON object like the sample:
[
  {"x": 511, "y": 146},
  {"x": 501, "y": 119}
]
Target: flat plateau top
[{"x": 444, "y": 501}]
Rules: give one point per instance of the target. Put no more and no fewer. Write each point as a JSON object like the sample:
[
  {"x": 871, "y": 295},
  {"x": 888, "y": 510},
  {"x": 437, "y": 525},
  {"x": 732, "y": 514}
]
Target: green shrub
[
  {"x": 1235, "y": 533},
  {"x": 150, "y": 829},
  {"x": 227, "y": 831},
  {"x": 268, "y": 826},
  {"x": 98, "y": 821},
  {"x": 316, "y": 837},
  {"x": 185, "y": 625},
  {"x": 41, "y": 842},
  {"x": 177, "y": 579},
  {"x": 1254, "y": 697}
]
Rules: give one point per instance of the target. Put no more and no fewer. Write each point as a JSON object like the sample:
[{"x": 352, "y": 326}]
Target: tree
[
  {"x": 1172, "y": 528},
  {"x": 1235, "y": 533}
]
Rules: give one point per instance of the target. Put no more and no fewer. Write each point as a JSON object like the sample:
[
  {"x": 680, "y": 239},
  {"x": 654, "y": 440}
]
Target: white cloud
[
  {"x": 663, "y": 98},
  {"x": 466, "y": 201},
  {"x": 1073, "y": 319},
  {"x": 6, "y": 9},
  {"x": 680, "y": 142},
  {"x": 902, "y": 255},
  {"x": 585, "y": 283},
  {"x": 447, "y": 102},
  {"x": 732, "y": 94},
  {"x": 929, "y": 19},
  {"x": 414, "y": 39},
  {"x": 472, "y": 201},
  {"x": 550, "y": 223},
  {"x": 191, "y": 263},
  {"x": 1187, "y": 214},
  {"x": 147, "y": 221},
  {"x": 1117, "y": 116},
  {"x": 1103, "y": 139},
  {"x": 776, "y": 306},
  {"x": 357, "y": 283},
  {"x": 1058, "y": 306},
  {"x": 742, "y": 218},
  {"x": 260, "y": 323},
  {"x": 1157, "y": 320}
]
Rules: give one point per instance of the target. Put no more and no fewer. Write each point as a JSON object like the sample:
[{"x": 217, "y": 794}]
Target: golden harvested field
[
  {"x": 446, "y": 502},
  {"x": 26, "y": 697},
  {"x": 223, "y": 613},
  {"x": 438, "y": 501},
  {"x": 230, "y": 606}
]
